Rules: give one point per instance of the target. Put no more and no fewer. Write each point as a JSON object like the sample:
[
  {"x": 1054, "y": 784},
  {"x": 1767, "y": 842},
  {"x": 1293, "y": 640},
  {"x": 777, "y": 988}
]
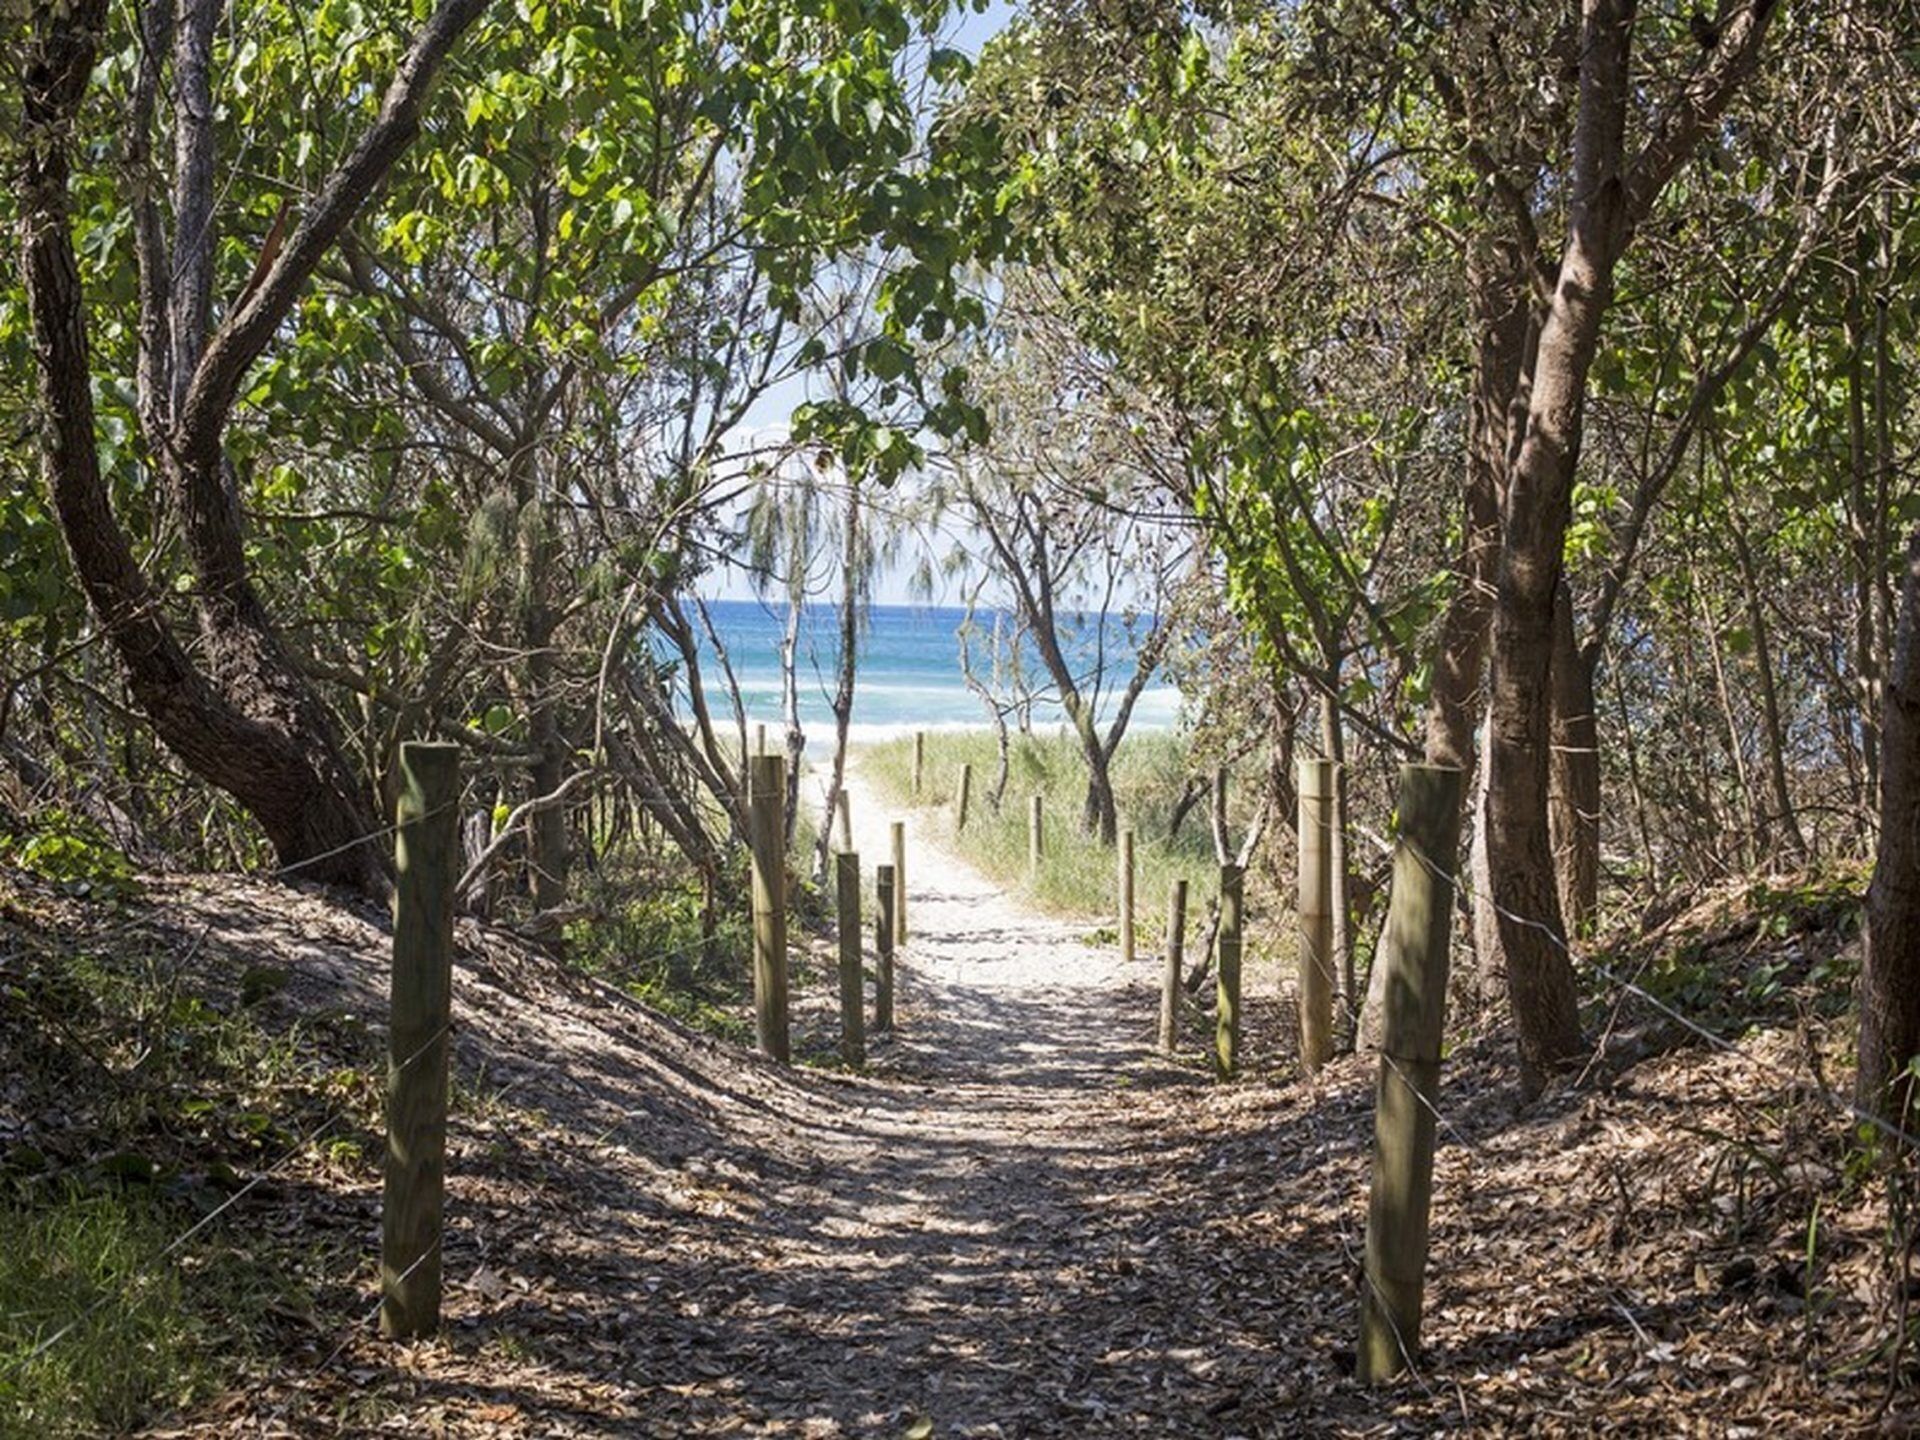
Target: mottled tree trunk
[{"x": 1890, "y": 977}]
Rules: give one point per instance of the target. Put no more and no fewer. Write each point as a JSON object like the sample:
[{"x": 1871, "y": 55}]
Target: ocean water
[{"x": 909, "y": 670}]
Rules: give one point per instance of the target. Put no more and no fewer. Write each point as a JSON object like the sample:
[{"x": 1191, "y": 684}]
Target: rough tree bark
[
  {"x": 1890, "y": 976},
  {"x": 1497, "y": 287}
]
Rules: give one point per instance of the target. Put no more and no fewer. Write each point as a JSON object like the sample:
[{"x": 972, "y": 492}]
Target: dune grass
[{"x": 1078, "y": 876}]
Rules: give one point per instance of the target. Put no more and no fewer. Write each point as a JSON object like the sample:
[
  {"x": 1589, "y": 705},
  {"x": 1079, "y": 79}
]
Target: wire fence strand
[
  {"x": 1811, "y": 1083},
  {"x": 159, "y": 1256}
]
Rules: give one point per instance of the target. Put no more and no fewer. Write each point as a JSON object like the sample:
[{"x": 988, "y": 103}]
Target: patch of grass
[
  {"x": 1078, "y": 875},
  {"x": 59, "y": 1261},
  {"x": 144, "y": 1104},
  {"x": 146, "y": 1334}
]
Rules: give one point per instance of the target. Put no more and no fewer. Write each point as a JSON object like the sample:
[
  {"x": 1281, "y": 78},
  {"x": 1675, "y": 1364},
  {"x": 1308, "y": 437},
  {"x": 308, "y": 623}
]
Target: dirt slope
[{"x": 1021, "y": 1222}]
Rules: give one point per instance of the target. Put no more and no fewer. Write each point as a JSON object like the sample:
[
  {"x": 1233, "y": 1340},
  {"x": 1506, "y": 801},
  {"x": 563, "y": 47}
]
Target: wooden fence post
[
  {"x": 962, "y": 795},
  {"x": 1315, "y": 908},
  {"x": 1126, "y": 896},
  {"x": 919, "y": 760},
  {"x": 853, "y": 999},
  {"x": 1226, "y": 1053},
  {"x": 1176, "y": 957},
  {"x": 426, "y": 859},
  {"x": 1036, "y": 835},
  {"x": 760, "y": 739},
  {"x": 899, "y": 883},
  {"x": 1414, "y": 948},
  {"x": 883, "y": 946},
  {"x": 767, "y": 835}
]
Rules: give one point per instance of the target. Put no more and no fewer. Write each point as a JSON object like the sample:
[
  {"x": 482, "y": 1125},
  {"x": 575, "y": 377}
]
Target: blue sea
[{"x": 909, "y": 670}]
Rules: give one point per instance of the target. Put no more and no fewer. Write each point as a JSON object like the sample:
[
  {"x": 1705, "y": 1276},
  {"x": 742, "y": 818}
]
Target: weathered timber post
[
  {"x": 760, "y": 740},
  {"x": 883, "y": 947},
  {"x": 1315, "y": 908},
  {"x": 1170, "y": 978},
  {"x": 1226, "y": 1052},
  {"x": 426, "y": 857},
  {"x": 899, "y": 882},
  {"x": 1414, "y": 950},
  {"x": 919, "y": 760},
  {"x": 1126, "y": 896},
  {"x": 846, "y": 820},
  {"x": 962, "y": 795},
  {"x": 853, "y": 1019},
  {"x": 1036, "y": 835},
  {"x": 767, "y": 837}
]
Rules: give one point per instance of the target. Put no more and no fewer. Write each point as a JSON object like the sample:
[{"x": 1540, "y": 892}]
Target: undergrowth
[
  {"x": 645, "y": 936},
  {"x": 141, "y": 1335},
  {"x": 143, "y": 1085},
  {"x": 1764, "y": 953}
]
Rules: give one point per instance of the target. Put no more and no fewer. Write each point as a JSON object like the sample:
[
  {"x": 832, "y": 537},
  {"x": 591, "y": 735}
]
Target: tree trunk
[
  {"x": 1333, "y": 743},
  {"x": 1099, "y": 813},
  {"x": 1890, "y": 976},
  {"x": 247, "y": 720},
  {"x": 1575, "y": 774},
  {"x": 1794, "y": 842},
  {"x": 248, "y": 723},
  {"x": 1605, "y": 197},
  {"x": 548, "y": 851},
  {"x": 796, "y": 738},
  {"x": 1754, "y": 840},
  {"x": 1866, "y": 553},
  {"x": 1497, "y": 285},
  {"x": 1526, "y": 898},
  {"x": 850, "y": 571}
]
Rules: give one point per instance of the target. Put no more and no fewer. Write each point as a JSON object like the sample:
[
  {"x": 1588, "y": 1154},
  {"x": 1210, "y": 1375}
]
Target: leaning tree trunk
[
  {"x": 1890, "y": 976},
  {"x": 242, "y": 715},
  {"x": 1526, "y": 899},
  {"x": 248, "y": 722},
  {"x": 1607, "y": 194}
]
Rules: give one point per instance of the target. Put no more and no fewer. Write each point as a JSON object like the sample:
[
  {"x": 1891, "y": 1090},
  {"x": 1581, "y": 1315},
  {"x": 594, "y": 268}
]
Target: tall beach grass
[{"x": 1077, "y": 876}]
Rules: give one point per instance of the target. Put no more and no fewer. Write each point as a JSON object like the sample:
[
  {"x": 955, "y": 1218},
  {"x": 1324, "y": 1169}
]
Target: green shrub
[{"x": 72, "y": 851}]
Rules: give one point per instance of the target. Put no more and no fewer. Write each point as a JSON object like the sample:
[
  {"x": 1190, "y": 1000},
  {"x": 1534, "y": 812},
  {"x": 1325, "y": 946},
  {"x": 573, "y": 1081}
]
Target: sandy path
[
  {"x": 990, "y": 990},
  {"x": 975, "y": 1228}
]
